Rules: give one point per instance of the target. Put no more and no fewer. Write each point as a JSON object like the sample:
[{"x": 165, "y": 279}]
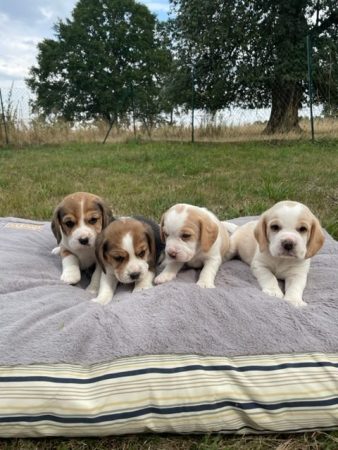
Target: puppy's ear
[
  {"x": 107, "y": 215},
  {"x": 56, "y": 224},
  {"x": 208, "y": 233},
  {"x": 101, "y": 248},
  {"x": 161, "y": 228},
  {"x": 260, "y": 233},
  {"x": 151, "y": 244},
  {"x": 316, "y": 239}
]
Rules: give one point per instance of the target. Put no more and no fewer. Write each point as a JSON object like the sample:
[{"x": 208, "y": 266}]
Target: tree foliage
[
  {"x": 252, "y": 53},
  {"x": 101, "y": 59}
]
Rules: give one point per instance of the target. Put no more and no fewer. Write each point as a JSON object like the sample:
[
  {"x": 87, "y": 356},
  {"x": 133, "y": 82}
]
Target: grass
[
  {"x": 306, "y": 441},
  {"x": 38, "y": 132},
  {"x": 146, "y": 178}
]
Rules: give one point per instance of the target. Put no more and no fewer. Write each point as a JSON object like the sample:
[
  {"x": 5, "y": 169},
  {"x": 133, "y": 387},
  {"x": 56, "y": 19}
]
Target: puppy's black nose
[
  {"x": 135, "y": 275},
  {"x": 84, "y": 241},
  {"x": 287, "y": 245}
]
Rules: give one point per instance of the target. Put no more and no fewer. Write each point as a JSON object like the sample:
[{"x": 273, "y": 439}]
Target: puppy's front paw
[
  {"x": 103, "y": 299},
  {"x": 274, "y": 292},
  {"x": 164, "y": 277},
  {"x": 297, "y": 302},
  {"x": 205, "y": 284},
  {"x": 71, "y": 275},
  {"x": 142, "y": 287},
  {"x": 92, "y": 289}
]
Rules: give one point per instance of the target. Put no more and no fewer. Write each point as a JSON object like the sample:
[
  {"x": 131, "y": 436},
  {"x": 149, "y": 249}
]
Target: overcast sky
[{"x": 25, "y": 23}]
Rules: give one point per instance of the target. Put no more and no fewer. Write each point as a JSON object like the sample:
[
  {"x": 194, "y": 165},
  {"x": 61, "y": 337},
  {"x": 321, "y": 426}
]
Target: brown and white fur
[
  {"x": 127, "y": 250},
  {"x": 193, "y": 236},
  {"x": 279, "y": 246},
  {"x": 76, "y": 223}
]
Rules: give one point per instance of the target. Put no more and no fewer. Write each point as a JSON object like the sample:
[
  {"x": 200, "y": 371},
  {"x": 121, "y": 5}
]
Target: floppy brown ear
[
  {"x": 260, "y": 233},
  {"x": 316, "y": 239},
  {"x": 161, "y": 228},
  {"x": 56, "y": 224},
  {"x": 107, "y": 215},
  {"x": 101, "y": 247},
  {"x": 151, "y": 244},
  {"x": 208, "y": 233}
]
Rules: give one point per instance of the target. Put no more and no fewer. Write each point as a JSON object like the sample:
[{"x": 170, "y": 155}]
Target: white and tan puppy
[
  {"x": 279, "y": 246},
  {"x": 194, "y": 237},
  {"x": 76, "y": 223},
  {"x": 127, "y": 250}
]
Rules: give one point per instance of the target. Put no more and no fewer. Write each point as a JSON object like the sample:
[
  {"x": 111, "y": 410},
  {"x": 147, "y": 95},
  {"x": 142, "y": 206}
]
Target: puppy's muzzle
[
  {"x": 288, "y": 245},
  {"x": 134, "y": 275},
  {"x": 172, "y": 254},
  {"x": 84, "y": 241}
]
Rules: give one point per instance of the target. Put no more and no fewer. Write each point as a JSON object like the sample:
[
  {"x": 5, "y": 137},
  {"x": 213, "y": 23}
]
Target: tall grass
[{"x": 37, "y": 131}]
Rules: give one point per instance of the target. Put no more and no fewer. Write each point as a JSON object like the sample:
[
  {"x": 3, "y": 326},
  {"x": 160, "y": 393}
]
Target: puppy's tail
[{"x": 230, "y": 227}]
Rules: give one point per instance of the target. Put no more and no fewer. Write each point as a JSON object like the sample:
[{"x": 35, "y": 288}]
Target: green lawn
[
  {"x": 230, "y": 179},
  {"x": 146, "y": 178}
]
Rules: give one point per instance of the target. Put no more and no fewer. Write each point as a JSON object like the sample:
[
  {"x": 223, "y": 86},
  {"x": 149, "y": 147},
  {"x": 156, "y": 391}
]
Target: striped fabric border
[{"x": 171, "y": 393}]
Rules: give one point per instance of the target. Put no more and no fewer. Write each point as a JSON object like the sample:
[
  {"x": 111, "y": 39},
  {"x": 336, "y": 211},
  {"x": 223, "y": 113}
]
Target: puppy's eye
[
  {"x": 118, "y": 259},
  {"x": 185, "y": 236},
  {"x": 69, "y": 224},
  {"x": 141, "y": 254},
  {"x": 275, "y": 227},
  {"x": 93, "y": 220},
  {"x": 302, "y": 229}
]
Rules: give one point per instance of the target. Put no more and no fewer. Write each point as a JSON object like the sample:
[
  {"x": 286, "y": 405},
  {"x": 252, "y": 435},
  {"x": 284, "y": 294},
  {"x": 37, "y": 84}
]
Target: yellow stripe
[{"x": 164, "y": 361}]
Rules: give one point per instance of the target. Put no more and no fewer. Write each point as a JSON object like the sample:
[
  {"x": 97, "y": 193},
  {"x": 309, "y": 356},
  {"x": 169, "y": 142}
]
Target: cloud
[
  {"x": 17, "y": 50},
  {"x": 25, "y": 24}
]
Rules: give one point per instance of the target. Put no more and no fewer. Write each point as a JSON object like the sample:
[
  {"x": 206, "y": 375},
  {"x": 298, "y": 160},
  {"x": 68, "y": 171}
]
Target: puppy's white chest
[
  {"x": 284, "y": 269},
  {"x": 195, "y": 263}
]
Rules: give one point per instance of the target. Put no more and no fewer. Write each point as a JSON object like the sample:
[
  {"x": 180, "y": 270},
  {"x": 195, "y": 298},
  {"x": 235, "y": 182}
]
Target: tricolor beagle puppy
[
  {"x": 128, "y": 251},
  {"x": 195, "y": 237},
  {"x": 279, "y": 246},
  {"x": 77, "y": 221}
]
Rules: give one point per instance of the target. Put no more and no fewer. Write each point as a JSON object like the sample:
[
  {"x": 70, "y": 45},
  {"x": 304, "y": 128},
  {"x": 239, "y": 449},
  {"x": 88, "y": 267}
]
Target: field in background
[
  {"x": 35, "y": 132},
  {"x": 231, "y": 179}
]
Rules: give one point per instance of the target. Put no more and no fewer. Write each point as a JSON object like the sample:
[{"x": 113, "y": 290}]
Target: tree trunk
[{"x": 286, "y": 100}]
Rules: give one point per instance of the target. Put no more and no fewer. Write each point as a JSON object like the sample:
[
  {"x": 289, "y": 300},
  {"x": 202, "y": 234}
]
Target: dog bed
[{"x": 175, "y": 358}]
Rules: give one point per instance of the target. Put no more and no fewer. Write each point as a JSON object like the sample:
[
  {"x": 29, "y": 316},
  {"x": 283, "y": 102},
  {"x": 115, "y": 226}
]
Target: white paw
[
  {"x": 164, "y": 277},
  {"x": 71, "y": 275},
  {"x": 297, "y": 302},
  {"x": 205, "y": 284},
  {"x": 142, "y": 287},
  {"x": 56, "y": 251},
  {"x": 92, "y": 289},
  {"x": 274, "y": 292},
  {"x": 103, "y": 300}
]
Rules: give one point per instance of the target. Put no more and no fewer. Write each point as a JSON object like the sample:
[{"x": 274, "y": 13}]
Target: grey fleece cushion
[{"x": 42, "y": 320}]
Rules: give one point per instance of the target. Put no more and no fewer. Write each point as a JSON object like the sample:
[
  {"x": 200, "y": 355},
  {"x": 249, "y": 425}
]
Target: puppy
[
  {"x": 195, "y": 237},
  {"x": 280, "y": 245},
  {"x": 77, "y": 221},
  {"x": 127, "y": 251}
]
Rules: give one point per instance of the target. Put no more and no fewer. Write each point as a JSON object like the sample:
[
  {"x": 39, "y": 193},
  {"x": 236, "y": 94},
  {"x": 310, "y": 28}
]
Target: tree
[
  {"x": 252, "y": 53},
  {"x": 325, "y": 72},
  {"x": 100, "y": 58}
]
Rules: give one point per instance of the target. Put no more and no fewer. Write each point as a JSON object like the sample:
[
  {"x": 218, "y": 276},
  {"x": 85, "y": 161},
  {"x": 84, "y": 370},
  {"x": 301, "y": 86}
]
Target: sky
[{"x": 23, "y": 24}]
